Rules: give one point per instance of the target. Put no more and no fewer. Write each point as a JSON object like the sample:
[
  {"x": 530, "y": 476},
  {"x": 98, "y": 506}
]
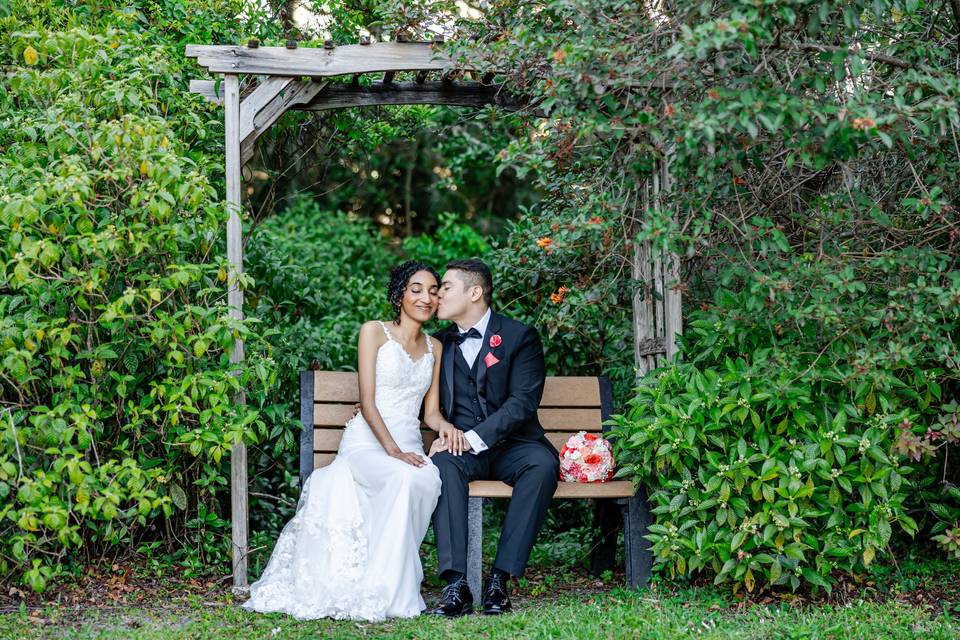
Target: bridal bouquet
[{"x": 586, "y": 457}]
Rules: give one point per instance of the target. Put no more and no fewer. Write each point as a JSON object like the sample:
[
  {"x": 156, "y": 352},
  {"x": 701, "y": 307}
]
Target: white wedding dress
[{"x": 352, "y": 549}]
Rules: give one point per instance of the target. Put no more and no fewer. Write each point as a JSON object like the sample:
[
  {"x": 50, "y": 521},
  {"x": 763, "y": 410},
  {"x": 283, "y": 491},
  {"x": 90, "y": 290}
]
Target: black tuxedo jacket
[{"x": 510, "y": 390}]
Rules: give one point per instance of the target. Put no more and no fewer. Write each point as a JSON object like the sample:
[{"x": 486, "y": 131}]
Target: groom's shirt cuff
[{"x": 477, "y": 445}]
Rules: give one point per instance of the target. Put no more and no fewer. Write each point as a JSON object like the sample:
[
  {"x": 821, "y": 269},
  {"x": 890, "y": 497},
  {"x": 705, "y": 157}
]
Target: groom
[{"x": 492, "y": 376}]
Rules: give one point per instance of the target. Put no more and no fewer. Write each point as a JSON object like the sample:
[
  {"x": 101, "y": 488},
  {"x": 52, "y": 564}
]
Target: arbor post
[
  {"x": 238, "y": 455},
  {"x": 656, "y": 273}
]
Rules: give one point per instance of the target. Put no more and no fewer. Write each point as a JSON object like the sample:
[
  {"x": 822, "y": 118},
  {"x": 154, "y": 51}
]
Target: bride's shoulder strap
[
  {"x": 385, "y": 330},
  {"x": 429, "y": 342}
]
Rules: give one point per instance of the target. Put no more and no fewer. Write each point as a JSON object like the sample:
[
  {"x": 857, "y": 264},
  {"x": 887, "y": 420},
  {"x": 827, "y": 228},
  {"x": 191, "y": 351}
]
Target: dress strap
[
  {"x": 429, "y": 343},
  {"x": 385, "y": 330}
]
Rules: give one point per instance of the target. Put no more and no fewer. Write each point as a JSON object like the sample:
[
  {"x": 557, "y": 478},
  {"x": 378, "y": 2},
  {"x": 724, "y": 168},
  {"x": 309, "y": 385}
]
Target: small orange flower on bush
[
  {"x": 595, "y": 220},
  {"x": 862, "y": 124},
  {"x": 557, "y": 298},
  {"x": 544, "y": 242}
]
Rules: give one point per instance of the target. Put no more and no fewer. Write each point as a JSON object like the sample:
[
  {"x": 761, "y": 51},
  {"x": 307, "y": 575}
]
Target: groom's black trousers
[{"x": 531, "y": 468}]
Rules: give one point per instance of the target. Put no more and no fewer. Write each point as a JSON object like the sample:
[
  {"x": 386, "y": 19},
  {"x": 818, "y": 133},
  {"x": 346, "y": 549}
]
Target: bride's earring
[{"x": 396, "y": 311}]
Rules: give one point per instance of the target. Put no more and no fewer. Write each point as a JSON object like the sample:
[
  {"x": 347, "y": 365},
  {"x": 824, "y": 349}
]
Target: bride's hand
[
  {"x": 453, "y": 439},
  {"x": 410, "y": 458},
  {"x": 437, "y": 446}
]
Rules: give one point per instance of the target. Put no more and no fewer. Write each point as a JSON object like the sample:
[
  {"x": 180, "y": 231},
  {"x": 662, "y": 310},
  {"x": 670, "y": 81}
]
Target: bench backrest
[{"x": 327, "y": 399}]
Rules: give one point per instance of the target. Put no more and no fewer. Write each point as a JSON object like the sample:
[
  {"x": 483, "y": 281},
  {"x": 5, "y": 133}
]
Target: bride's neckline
[{"x": 390, "y": 338}]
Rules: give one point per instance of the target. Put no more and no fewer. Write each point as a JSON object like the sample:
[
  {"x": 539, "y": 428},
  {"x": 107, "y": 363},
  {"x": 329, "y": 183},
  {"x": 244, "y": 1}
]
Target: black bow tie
[{"x": 471, "y": 333}]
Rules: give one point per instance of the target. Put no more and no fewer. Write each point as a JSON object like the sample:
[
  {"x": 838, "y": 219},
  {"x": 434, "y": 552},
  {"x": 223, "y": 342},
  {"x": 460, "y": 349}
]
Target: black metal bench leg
[
  {"x": 608, "y": 521},
  {"x": 638, "y": 556}
]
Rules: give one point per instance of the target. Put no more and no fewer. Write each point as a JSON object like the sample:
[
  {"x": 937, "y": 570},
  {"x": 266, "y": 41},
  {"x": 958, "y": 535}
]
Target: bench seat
[{"x": 613, "y": 489}]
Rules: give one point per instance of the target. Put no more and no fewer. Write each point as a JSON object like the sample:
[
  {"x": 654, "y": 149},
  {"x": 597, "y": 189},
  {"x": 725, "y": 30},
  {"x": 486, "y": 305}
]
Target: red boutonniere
[{"x": 495, "y": 341}]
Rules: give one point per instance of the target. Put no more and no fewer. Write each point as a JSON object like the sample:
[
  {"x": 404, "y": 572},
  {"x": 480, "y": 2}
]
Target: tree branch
[{"x": 869, "y": 55}]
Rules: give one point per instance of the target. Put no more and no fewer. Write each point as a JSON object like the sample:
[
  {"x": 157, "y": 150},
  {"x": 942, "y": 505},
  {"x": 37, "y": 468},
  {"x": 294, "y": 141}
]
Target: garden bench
[{"x": 570, "y": 404}]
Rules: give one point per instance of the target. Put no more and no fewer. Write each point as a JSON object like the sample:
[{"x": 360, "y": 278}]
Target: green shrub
[
  {"x": 754, "y": 482},
  {"x": 319, "y": 275},
  {"x": 451, "y": 240},
  {"x": 565, "y": 280},
  {"x": 116, "y": 387},
  {"x": 786, "y": 448}
]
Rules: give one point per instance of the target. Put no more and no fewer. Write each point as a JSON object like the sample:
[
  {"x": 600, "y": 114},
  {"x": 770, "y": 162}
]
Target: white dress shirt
[{"x": 470, "y": 348}]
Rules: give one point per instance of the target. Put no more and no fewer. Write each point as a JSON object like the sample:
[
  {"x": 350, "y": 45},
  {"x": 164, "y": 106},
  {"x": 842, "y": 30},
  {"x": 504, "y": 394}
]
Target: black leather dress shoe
[
  {"x": 455, "y": 600},
  {"x": 496, "y": 600}
]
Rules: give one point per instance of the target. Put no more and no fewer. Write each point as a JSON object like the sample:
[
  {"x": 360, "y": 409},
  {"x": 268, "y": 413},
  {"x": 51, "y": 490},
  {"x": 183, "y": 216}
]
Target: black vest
[{"x": 467, "y": 411}]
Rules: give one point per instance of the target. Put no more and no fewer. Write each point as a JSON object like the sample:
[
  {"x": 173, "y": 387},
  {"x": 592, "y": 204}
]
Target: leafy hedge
[
  {"x": 774, "y": 464},
  {"x": 115, "y": 382}
]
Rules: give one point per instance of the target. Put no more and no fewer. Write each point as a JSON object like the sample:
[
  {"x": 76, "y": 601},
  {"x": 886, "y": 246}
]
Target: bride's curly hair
[{"x": 399, "y": 279}]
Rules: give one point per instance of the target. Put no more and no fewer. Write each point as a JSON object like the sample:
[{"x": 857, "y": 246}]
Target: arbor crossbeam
[{"x": 321, "y": 63}]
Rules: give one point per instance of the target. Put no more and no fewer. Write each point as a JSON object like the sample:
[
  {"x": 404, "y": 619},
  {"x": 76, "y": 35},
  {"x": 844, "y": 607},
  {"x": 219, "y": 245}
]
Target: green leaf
[
  {"x": 775, "y": 571},
  {"x": 178, "y": 496},
  {"x": 883, "y": 531},
  {"x": 813, "y": 577}
]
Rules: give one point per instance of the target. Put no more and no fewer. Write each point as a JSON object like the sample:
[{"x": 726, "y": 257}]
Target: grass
[
  {"x": 615, "y": 613},
  {"x": 917, "y": 598}
]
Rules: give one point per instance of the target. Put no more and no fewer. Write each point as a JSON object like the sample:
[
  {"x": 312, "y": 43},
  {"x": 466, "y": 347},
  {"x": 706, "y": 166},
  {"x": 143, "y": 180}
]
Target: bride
[{"x": 352, "y": 548}]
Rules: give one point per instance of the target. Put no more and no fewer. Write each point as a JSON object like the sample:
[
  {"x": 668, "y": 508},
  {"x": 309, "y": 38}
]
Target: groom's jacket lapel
[
  {"x": 493, "y": 328},
  {"x": 446, "y": 368}
]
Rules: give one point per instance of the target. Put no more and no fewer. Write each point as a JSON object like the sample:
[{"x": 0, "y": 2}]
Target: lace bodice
[{"x": 401, "y": 383}]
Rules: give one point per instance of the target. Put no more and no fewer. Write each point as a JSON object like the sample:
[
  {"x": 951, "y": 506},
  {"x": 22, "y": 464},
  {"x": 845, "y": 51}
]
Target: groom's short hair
[{"x": 476, "y": 272}]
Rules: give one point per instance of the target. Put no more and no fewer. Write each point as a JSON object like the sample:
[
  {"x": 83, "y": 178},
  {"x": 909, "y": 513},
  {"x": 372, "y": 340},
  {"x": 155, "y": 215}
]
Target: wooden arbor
[{"x": 293, "y": 78}]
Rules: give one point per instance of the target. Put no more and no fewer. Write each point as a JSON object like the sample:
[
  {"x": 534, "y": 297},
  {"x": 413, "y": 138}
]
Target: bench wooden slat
[
  {"x": 327, "y": 439},
  {"x": 558, "y": 391},
  {"x": 571, "y": 391},
  {"x": 332, "y": 415},
  {"x": 570, "y": 419},
  {"x": 322, "y": 459},
  {"x": 558, "y": 439},
  {"x": 335, "y": 386},
  {"x": 612, "y": 489}
]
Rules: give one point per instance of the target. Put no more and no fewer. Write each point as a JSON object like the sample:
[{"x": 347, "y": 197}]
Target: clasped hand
[{"x": 451, "y": 439}]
